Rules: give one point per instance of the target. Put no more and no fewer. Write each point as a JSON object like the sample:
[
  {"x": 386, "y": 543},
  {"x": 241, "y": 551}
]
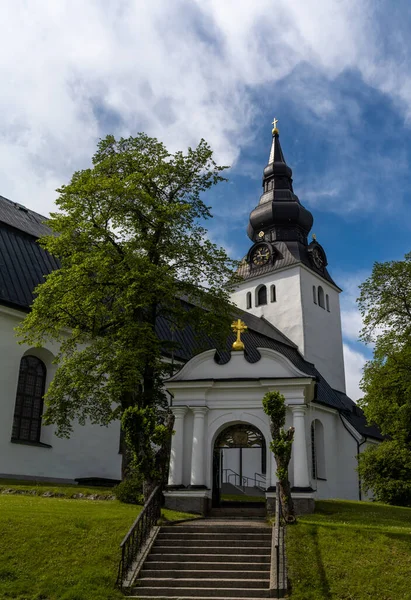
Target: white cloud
[
  {"x": 354, "y": 362},
  {"x": 350, "y": 315},
  {"x": 73, "y": 71}
]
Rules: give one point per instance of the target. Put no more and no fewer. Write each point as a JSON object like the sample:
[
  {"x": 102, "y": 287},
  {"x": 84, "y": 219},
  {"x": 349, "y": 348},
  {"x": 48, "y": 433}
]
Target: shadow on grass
[
  {"x": 362, "y": 513},
  {"x": 307, "y": 576},
  {"x": 324, "y": 585}
]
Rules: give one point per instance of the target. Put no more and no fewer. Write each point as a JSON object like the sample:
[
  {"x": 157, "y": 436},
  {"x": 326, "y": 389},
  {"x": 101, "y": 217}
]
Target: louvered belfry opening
[{"x": 29, "y": 400}]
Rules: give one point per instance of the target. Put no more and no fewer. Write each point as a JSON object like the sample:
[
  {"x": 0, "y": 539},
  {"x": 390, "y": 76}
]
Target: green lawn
[
  {"x": 351, "y": 551},
  {"x": 62, "y": 549}
]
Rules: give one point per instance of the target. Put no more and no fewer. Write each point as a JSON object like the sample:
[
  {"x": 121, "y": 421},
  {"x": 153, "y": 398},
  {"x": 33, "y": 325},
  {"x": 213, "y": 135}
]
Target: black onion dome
[{"x": 279, "y": 212}]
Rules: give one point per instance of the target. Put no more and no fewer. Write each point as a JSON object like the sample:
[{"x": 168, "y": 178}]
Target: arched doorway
[{"x": 239, "y": 465}]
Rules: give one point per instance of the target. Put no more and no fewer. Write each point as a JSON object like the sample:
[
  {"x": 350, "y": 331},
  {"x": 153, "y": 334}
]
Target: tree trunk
[
  {"x": 126, "y": 457},
  {"x": 286, "y": 500}
]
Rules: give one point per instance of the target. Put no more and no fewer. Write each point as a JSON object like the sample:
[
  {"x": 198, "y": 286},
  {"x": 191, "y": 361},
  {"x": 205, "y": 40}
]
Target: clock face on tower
[
  {"x": 260, "y": 256},
  {"x": 318, "y": 258}
]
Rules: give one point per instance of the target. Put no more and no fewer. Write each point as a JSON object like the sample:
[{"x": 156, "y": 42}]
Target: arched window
[
  {"x": 261, "y": 295},
  {"x": 248, "y": 300},
  {"x": 327, "y": 302},
  {"x": 315, "y": 294},
  {"x": 29, "y": 400},
  {"x": 321, "y": 297},
  {"x": 317, "y": 450},
  {"x": 273, "y": 296}
]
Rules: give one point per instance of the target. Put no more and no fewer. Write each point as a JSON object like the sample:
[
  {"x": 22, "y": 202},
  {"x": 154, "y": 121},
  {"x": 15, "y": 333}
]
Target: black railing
[
  {"x": 278, "y": 574},
  {"x": 138, "y": 534},
  {"x": 241, "y": 481}
]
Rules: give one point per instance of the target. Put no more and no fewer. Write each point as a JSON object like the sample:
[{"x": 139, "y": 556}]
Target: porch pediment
[{"x": 272, "y": 365}]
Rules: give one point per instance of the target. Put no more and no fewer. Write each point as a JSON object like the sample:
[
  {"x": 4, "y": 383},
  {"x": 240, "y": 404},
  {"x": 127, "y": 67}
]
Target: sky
[{"x": 336, "y": 74}]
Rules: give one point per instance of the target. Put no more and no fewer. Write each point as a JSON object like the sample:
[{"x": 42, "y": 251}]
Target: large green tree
[
  {"x": 385, "y": 304},
  {"x": 129, "y": 234}
]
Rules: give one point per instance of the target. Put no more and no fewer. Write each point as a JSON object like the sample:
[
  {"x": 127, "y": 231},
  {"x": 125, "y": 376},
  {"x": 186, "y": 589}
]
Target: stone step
[
  {"x": 215, "y": 542},
  {"x": 234, "y": 511},
  {"x": 184, "y": 593},
  {"x": 194, "y": 582},
  {"x": 215, "y": 549},
  {"x": 171, "y": 597},
  {"x": 170, "y": 557},
  {"x": 213, "y": 573},
  {"x": 217, "y": 528},
  {"x": 206, "y": 565},
  {"x": 217, "y": 535}
]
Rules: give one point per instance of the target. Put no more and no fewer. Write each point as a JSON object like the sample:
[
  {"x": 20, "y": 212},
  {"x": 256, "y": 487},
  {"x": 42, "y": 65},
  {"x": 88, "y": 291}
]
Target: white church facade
[{"x": 293, "y": 344}]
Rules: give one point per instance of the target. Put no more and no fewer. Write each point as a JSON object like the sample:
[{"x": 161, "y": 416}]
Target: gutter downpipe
[{"x": 359, "y": 444}]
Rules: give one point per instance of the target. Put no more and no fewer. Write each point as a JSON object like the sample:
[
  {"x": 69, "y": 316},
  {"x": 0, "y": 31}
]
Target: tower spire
[
  {"x": 279, "y": 212},
  {"x": 276, "y": 153}
]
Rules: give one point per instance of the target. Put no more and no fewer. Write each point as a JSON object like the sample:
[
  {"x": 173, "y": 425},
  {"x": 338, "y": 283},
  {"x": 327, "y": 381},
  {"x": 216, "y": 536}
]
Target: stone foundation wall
[
  {"x": 303, "y": 506},
  {"x": 193, "y": 504}
]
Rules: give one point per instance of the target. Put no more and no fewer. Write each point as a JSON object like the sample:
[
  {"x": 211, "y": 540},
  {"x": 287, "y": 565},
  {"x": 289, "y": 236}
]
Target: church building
[{"x": 288, "y": 338}]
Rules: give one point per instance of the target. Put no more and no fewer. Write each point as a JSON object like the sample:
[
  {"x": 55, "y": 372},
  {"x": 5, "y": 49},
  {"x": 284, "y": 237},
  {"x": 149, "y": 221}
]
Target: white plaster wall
[
  {"x": 316, "y": 331},
  {"x": 286, "y": 312},
  {"x": 92, "y": 451},
  {"x": 331, "y": 422},
  {"x": 347, "y": 465},
  {"x": 322, "y": 330}
]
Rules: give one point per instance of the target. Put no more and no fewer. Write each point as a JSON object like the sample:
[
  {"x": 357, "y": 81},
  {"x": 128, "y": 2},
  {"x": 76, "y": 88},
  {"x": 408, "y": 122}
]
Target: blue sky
[{"x": 336, "y": 74}]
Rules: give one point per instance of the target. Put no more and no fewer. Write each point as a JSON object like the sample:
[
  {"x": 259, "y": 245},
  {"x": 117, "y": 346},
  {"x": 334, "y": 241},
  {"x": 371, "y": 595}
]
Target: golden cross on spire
[
  {"x": 238, "y": 327},
  {"x": 275, "y": 130}
]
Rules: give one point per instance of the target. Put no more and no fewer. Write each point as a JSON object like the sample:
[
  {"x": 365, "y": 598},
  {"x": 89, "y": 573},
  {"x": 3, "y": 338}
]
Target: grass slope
[
  {"x": 351, "y": 551},
  {"x": 62, "y": 549}
]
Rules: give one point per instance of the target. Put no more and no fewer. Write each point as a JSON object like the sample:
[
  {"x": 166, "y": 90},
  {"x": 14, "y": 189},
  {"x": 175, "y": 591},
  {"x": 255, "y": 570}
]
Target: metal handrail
[
  {"x": 138, "y": 534},
  {"x": 243, "y": 480}
]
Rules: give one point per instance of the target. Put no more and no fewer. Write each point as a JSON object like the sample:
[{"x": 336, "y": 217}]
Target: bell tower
[{"x": 284, "y": 276}]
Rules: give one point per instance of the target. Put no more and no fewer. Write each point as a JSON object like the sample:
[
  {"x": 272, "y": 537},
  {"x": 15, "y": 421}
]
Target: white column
[
  {"x": 300, "y": 461},
  {"x": 197, "y": 454},
  {"x": 175, "y": 474}
]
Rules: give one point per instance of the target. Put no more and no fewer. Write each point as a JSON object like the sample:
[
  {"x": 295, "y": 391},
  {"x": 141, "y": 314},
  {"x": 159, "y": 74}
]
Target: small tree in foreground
[
  {"x": 274, "y": 407},
  {"x": 133, "y": 250}
]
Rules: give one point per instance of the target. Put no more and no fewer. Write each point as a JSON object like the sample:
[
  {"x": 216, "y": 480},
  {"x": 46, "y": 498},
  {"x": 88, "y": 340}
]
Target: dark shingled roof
[
  {"x": 23, "y": 265},
  {"x": 20, "y": 217},
  {"x": 355, "y": 416},
  {"x": 288, "y": 253}
]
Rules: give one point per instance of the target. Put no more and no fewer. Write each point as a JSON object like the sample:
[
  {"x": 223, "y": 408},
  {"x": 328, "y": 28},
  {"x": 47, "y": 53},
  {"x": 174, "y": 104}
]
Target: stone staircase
[{"x": 219, "y": 560}]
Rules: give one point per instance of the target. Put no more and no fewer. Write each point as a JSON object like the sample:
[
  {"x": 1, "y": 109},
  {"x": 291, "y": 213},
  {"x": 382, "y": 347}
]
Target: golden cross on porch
[{"x": 238, "y": 327}]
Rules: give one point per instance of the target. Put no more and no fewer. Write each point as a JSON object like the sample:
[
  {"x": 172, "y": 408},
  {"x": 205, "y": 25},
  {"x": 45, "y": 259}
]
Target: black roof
[
  {"x": 23, "y": 265},
  {"x": 287, "y": 254},
  {"x": 355, "y": 416},
  {"x": 22, "y": 218}
]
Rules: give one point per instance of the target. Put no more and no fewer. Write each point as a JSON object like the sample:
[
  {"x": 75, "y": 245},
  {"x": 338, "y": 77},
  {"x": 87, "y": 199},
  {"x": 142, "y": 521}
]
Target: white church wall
[
  {"x": 322, "y": 330},
  {"x": 91, "y": 451},
  {"x": 315, "y": 330},
  {"x": 285, "y": 313},
  {"x": 188, "y": 446},
  {"x": 326, "y": 486},
  {"x": 347, "y": 464}
]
